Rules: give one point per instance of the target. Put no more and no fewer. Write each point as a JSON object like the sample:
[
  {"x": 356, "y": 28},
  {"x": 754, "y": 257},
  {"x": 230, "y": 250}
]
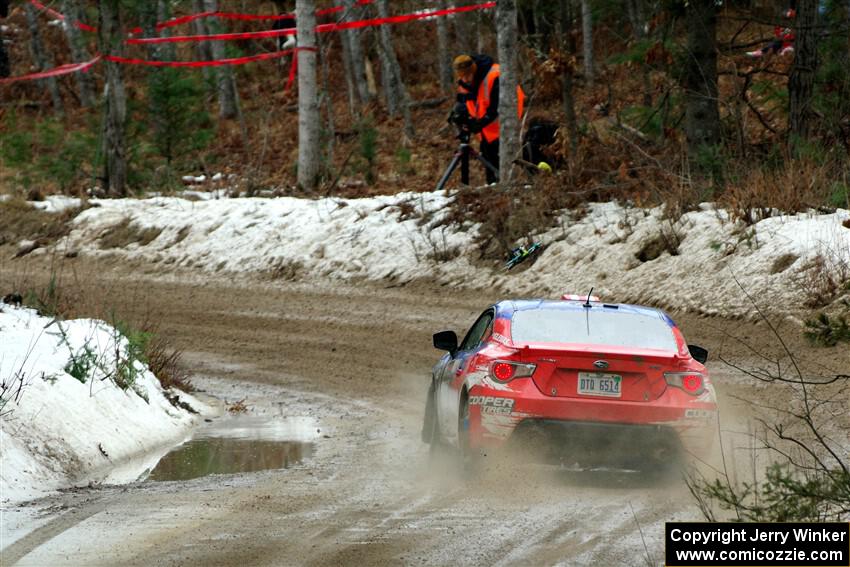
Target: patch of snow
[
  {"x": 60, "y": 431},
  {"x": 205, "y": 195},
  {"x": 57, "y": 203},
  {"x": 385, "y": 237}
]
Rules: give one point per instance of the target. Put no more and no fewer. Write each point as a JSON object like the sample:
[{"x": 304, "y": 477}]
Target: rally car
[{"x": 576, "y": 380}]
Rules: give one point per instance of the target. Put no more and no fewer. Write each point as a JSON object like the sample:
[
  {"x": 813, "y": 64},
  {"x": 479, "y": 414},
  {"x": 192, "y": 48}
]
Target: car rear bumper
[{"x": 674, "y": 421}]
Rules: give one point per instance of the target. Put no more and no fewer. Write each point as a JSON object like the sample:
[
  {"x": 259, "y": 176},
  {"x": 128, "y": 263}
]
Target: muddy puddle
[{"x": 237, "y": 444}]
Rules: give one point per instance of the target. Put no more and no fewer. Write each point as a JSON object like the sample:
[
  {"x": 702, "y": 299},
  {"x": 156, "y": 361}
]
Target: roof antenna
[{"x": 587, "y": 303}]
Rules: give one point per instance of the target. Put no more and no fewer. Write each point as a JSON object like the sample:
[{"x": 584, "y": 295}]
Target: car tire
[
  {"x": 429, "y": 418},
  {"x": 431, "y": 427},
  {"x": 471, "y": 459}
]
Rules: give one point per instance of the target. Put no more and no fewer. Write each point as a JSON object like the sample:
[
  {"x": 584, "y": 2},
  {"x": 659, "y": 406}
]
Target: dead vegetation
[
  {"x": 823, "y": 279},
  {"x": 69, "y": 294},
  {"x": 127, "y": 232},
  {"x": 19, "y": 221}
]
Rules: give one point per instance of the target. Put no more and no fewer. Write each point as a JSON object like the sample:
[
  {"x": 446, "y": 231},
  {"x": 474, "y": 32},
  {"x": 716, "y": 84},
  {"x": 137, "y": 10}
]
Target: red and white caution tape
[
  {"x": 55, "y": 72},
  {"x": 58, "y": 16},
  {"x": 181, "y": 20},
  {"x": 214, "y": 63},
  {"x": 323, "y": 28}
]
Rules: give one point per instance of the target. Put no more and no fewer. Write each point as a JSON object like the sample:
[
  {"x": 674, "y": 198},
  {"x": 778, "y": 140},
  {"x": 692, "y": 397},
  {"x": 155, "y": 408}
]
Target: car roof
[{"x": 508, "y": 307}]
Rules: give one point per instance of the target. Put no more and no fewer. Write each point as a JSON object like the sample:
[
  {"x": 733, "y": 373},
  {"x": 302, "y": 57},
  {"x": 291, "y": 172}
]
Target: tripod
[{"x": 461, "y": 158}]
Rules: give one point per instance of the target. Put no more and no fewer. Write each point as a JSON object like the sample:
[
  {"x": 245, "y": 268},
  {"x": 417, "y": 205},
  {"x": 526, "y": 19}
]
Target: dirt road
[{"x": 356, "y": 359}]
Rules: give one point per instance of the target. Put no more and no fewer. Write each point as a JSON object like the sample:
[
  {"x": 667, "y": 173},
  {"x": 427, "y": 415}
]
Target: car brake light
[
  {"x": 579, "y": 297},
  {"x": 505, "y": 371},
  {"x": 691, "y": 382},
  {"x": 502, "y": 371}
]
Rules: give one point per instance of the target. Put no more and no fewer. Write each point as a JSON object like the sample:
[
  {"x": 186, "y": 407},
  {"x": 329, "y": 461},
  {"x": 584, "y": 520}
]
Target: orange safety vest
[{"x": 478, "y": 108}]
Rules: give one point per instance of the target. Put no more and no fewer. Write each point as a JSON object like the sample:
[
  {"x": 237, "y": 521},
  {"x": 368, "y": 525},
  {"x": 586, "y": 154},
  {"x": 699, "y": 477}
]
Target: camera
[{"x": 459, "y": 115}]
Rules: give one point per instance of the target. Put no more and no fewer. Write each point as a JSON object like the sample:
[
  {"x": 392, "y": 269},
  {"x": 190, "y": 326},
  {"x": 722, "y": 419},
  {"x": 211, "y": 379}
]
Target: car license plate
[{"x": 594, "y": 384}]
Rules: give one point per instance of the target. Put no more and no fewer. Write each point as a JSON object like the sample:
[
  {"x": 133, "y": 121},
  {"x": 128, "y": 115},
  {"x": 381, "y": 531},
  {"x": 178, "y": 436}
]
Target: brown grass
[
  {"x": 125, "y": 233},
  {"x": 782, "y": 263},
  {"x": 165, "y": 363},
  {"x": 822, "y": 280},
  {"x": 797, "y": 186},
  {"x": 21, "y": 221}
]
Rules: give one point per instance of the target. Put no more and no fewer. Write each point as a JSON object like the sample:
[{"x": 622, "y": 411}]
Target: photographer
[{"x": 477, "y": 108}]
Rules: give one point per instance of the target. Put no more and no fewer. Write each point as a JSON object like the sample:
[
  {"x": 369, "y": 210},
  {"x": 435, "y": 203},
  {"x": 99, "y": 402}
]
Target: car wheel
[
  {"x": 429, "y": 419},
  {"x": 470, "y": 458},
  {"x": 431, "y": 426}
]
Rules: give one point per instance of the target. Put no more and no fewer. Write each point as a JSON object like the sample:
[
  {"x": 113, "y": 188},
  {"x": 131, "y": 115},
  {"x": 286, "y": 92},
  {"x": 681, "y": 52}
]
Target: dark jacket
[{"x": 281, "y": 24}]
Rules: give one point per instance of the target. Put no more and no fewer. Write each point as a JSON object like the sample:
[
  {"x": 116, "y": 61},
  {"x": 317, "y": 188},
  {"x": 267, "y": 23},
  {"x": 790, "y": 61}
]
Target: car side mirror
[
  {"x": 446, "y": 340},
  {"x": 698, "y": 353}
]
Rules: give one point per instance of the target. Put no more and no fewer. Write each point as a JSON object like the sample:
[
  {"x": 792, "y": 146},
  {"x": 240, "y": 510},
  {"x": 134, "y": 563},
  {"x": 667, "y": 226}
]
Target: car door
[{"x": 450, "y": 382}]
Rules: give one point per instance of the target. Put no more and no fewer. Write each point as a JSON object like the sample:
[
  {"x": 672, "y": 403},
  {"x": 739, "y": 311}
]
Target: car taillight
[
  {"x": 691, "y": 382},
  {"x": 505, "y": 371}
]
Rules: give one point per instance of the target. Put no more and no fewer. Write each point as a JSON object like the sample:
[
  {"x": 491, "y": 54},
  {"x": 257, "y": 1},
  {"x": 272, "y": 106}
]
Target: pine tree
[
  {"x": 702, "y": 115},
  {"x": 802, "y": 80}
]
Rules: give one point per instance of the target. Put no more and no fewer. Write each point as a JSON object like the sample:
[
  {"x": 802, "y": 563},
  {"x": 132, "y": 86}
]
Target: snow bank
[
  {"x": 612, "y": 248},
  {"x": 57, "y": 430}
]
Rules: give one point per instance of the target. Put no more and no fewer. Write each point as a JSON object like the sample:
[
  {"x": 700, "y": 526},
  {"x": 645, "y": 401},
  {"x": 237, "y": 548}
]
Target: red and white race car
[{"x": 579, "y": 380}]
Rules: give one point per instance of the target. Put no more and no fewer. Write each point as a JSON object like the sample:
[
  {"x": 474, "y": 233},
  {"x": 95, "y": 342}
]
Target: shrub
[
  {"x": 47, "y": 155},
  {"x": 367, "y": 136},
  {"x": 794, "y": 186},
  {"x": 828, "y": 330},
  {"x": 786, "y": 495}
]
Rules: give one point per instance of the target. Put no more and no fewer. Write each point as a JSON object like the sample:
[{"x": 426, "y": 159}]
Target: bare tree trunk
[
  {"x": 802, "y": 79},
  {"x": 479, "y": 31},
  {"x": 567, "y": 78},
  {"x": 111, "y": 39},
  {"x": 702, "y": 115},
  {"x": 204, "y": 48},
  {"x": 463, "y": 31},
  {"x": 509, "y": 131},
  {"x": 5, "y": 70},
  {"x": 77, "y": 44},
  {"x": 228, "y": 96},
  {"x": 43, "y": 58},
  {"x": 349, "y": 75},
  {"x": 327, "y": 95},
  {"x": 635, "y": 11},
  {"x": 587, "y": 41},
  {"x": 355, "y": 46},
  {"x": 308, "y": 100},
  {"x": 394, "y": 89},
  {"x": 444, "y": 58}
]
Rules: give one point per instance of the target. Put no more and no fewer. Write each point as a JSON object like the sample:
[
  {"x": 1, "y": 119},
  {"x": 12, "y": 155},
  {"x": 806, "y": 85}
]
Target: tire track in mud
[{"x": 52, "y": 529}]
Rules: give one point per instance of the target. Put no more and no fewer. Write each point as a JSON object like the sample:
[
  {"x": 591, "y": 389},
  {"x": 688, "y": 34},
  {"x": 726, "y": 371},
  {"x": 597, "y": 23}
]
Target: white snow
[
  {"x": 57, "y": 203},
  {"x": 61, "y": 431},
  {"x": 354, "y": 239}
]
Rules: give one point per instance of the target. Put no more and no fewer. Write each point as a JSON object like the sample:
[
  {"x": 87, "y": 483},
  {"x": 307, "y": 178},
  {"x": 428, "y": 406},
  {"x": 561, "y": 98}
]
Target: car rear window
[{"x": 593, "y": 326}]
